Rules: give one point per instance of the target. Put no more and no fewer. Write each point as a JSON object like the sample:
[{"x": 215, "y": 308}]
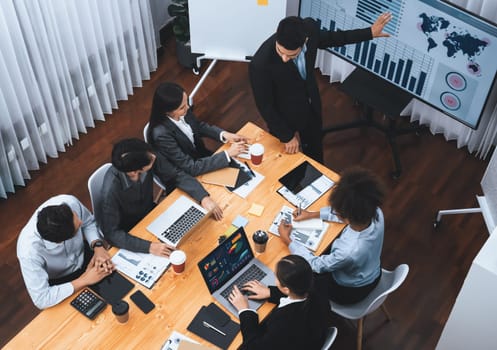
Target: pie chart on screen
[
  {"x": 456, "y": 81},
  {"x": 450, "y": 101}
]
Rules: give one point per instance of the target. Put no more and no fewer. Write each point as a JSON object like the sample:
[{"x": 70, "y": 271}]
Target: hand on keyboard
[
  {"x": 256, "y": 290},
  {"x": 208, "y": 204},
  {"x": 246, "y": 292},
  {"x": 238, "y": 299}
]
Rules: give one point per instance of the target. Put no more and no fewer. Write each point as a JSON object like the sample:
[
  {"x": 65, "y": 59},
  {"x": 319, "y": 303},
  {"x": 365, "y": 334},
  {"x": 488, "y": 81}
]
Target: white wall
[{"x": 473, "y": 319}]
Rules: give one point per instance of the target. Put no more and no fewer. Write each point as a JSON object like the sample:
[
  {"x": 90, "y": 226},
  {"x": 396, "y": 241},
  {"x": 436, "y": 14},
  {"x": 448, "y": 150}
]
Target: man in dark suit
[
  {"x": 127, "y": 194},
  {"x": 283, "y": 81}
]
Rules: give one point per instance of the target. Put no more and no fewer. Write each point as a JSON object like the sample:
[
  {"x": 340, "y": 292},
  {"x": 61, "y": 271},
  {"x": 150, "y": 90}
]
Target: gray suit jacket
[
  {"x": 125, "y": 203},
  {"x": 172, "y": 143}
]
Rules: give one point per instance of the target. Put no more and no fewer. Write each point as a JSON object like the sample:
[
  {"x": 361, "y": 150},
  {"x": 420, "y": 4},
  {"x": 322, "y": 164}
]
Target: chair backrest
[
  {"x": 156, "y": 179},
  {"x": 389, "y": 281},
  {"x": 331, "y": 334},
  {"x": 145, "y": 133},
  {"x": 95, "y": 187}
]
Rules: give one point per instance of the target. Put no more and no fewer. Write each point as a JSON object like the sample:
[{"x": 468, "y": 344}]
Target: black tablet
[
  {"x": 300, "y": 177},
  {"x": 113, "y": 287}
]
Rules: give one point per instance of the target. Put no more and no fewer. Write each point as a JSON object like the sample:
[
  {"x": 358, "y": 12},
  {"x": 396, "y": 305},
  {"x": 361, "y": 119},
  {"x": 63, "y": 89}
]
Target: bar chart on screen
[{"x": 436, "y": 51}]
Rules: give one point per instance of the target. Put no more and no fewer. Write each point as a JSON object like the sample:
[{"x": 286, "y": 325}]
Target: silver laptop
[
  {"x": 231, "y": 263},
  {"x": 178, "y": 220}
]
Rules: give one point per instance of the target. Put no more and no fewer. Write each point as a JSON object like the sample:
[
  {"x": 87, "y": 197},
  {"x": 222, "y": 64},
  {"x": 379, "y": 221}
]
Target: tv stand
[{"x": 376, "y": 94}]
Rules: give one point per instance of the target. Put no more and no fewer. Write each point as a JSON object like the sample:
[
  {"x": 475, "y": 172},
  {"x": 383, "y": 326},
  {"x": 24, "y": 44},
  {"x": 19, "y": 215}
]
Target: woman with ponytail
[{"x": 300, "y": 319}]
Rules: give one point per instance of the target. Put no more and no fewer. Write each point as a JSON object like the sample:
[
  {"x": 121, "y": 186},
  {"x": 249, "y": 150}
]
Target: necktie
[{"x": 300, "y": 63}]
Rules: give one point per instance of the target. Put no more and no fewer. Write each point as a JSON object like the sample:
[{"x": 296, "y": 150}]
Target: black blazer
[
  {"x": 283, "y": 98},
  {"x": 298, "y": 326},
  {"x": 172, "y": 143}
]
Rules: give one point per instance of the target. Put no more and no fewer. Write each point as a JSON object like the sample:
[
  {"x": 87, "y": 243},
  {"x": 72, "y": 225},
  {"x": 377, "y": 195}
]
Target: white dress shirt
[
  {"x": 184, "y": 127},
  {"x": 42, "y": 260}
]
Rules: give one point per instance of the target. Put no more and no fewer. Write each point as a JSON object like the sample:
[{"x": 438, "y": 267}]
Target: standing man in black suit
[{"x": 283, "y": 81}]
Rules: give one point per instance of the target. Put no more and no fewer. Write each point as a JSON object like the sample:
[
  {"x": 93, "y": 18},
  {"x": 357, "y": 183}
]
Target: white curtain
[
  {"x": 480, "y": 140},
  {"x": 63, "y": 64}
]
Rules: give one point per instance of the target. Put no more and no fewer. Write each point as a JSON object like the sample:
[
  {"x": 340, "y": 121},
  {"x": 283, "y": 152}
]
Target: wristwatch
[{"x": 97, "y": 243}]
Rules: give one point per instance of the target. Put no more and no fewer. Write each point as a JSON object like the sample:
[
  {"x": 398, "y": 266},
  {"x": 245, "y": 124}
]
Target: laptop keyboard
[
  {"x": 184, "y": 223},
  {"x": 252, "y": 273}
]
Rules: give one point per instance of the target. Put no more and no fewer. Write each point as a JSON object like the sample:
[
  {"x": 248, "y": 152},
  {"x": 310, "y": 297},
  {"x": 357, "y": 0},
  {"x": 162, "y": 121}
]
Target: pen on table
[
  {"x": 299, "y": 209},
  {"x": 208, "y": 325},
  {"x": 253, "y": 174}
]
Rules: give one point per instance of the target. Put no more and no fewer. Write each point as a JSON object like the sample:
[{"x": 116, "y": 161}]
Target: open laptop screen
[
  {"x": 300, "y": 177},
  {"x": 226, "y": 260}
]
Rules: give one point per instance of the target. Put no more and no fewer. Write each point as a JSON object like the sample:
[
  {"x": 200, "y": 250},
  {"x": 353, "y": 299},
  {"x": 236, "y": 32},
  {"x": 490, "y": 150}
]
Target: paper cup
[
  {"x": 120, "y": 310},
  {"x": 177, "y": 259},
  {"x": 256, "y": 153},
  {"x": 260, "y": 239}
]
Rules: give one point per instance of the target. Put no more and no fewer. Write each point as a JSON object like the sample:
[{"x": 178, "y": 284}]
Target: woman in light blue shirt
[{"x": 351, "y": 269}]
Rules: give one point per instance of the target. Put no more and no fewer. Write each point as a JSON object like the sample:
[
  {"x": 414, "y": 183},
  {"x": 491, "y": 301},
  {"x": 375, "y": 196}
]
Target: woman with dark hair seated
[
  {"x": 352, "y": 268},
  {"x": 177, "y": 134},
  {"x": 300, "y": 319}
]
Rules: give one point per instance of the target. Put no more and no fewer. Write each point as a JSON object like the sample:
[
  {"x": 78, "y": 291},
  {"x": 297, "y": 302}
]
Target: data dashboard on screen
[{"x": 439, "y": 53}]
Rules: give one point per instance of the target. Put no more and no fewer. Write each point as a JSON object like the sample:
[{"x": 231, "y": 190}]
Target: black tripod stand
[{"x": 377, "y": 94}]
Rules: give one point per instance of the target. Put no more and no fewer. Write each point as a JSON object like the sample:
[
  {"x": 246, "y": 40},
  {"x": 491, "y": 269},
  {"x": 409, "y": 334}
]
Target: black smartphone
[{"x": 142, "y": 301}]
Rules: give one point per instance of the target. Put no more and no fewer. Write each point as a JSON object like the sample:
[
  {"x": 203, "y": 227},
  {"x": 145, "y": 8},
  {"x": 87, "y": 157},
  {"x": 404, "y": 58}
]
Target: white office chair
[
  {"x": 389, "y": 281},
  {"x": 95, "y": 187},
  {"x": 331, "y": 334},
  {"x": 158, "y": 182}
]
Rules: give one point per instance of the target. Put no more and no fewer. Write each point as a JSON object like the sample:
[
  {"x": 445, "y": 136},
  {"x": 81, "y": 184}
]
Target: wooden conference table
[{"x": 178, "y": 297}]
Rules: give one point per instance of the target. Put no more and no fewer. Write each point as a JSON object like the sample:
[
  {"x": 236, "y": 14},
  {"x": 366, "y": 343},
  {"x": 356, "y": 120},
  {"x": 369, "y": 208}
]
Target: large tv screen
[{"x": 437, "y": 52}]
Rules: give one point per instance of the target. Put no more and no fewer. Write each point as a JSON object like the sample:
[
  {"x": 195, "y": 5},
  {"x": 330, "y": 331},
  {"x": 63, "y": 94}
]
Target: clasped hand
[{"x": 97, "y": 270}]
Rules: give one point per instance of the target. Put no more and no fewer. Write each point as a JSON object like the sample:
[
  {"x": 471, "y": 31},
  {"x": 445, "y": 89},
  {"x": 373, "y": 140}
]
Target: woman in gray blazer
[{"x": 177, "y": 134}]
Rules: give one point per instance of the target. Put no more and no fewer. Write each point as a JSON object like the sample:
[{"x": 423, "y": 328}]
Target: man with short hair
[
  {"x": 127, "y": 194},
  {"x": 284, "y": 83},
  {"x": 54, "y": 251}
]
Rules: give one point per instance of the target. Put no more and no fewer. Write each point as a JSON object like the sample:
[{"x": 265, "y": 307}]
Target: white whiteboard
[{"x": 232, "y": 29}]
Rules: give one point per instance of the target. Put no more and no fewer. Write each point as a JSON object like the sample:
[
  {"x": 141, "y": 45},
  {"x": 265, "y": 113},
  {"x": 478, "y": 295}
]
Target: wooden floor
[{"x": 436, "y": 175}]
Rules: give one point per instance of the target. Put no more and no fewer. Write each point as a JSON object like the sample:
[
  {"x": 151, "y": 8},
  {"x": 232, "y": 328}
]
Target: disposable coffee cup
[
  {"x": 256, "y": 153},
  {"x": 260, "y": 240},
  {"x": 177, "y": 259},
  {"x": 120, "y": 309}
]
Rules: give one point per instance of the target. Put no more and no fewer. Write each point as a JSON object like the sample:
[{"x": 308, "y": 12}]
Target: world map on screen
[{"x": 455, "y": 40}]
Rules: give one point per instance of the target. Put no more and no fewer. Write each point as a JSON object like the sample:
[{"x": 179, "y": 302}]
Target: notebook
[
  {"x": 232, "y": 262},
  {"x": 178, "y": 220},
  {"x": 223, "y": 177},
  {"x": 304, "y": 185}
]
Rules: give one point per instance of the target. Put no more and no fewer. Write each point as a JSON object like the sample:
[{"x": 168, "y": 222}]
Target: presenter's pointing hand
[{"x": 379, "y": 25}]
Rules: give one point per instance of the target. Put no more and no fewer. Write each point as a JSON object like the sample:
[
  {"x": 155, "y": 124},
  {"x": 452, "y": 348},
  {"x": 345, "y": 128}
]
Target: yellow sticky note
[
  {"x": 262, "y": 2},
  {"x": 256, "y": 209},
  {"x": 230, "y": 230}
]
